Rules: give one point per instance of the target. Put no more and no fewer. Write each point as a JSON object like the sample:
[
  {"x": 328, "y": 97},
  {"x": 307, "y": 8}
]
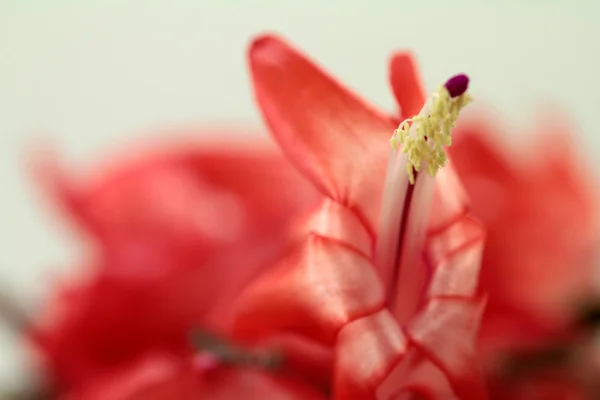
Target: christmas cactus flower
[
  {"x": 215, "y": 274},
  {"x": 387, "y": 273}
]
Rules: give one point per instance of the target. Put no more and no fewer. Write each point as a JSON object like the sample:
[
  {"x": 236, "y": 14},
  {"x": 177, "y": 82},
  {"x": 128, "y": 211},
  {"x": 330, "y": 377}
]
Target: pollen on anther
[{"x": 423, "y": 137}]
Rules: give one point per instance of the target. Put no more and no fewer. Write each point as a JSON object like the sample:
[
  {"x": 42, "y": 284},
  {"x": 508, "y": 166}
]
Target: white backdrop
[{"x": 94, "y": 76}]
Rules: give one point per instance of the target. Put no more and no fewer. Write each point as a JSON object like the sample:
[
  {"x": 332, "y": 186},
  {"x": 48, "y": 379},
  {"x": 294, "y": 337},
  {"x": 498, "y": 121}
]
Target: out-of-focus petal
[
  {"x": 406, "y": 84},
  {"x": 523, "y": 200},
  {"x": 101, "y": 324},
  {"x": 255, "y": 385},
  {"x": 303, "y": 359},
  {"x": 334, "y": 137},
  {"x": 151, "y": 378},
  {"x": 213, "y": 194},
  {"x": 157, "y": 378},
  {"x": 314, "y": 291},
  {"x": 478, "y": 161}
]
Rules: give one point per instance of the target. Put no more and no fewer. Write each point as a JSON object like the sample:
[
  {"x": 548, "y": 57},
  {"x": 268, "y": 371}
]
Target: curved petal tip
[
  {"x": 266, "y": 46},
  {"x": 406, "y": 83}
]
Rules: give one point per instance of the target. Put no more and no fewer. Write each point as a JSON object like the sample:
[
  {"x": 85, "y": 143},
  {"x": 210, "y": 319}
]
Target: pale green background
[{"x": 91, "y": 76}]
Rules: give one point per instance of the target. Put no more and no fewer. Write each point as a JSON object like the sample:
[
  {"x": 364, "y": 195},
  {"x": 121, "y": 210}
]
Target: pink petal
[
  {"x": 337, "y": 222},
  {"x": 315, "y": 291},
  {"x": 366, "y": 350},
  {"x": 415, "y": 376},
  {"x": 335, "y": 138},
  {"x": 455, "y": 257},
  {"x": 446, "y": 331},
  {"x": 475, "y": 153}
]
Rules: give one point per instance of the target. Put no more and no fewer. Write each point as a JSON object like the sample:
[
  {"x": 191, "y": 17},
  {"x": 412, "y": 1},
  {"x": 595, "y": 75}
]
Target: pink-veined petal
[
  {"x": 455, "y": 256},
  {"x": 415, "y": 376},
  {"x": 334, "y": 221},
  {"x": 315, "y": 291},
  {"x": 446, "y": 331},
  {"x": 366, "y": 351}
]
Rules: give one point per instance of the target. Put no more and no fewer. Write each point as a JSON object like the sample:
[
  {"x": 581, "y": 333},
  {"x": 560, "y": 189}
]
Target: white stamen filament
[{"x": 398, "y": 259}]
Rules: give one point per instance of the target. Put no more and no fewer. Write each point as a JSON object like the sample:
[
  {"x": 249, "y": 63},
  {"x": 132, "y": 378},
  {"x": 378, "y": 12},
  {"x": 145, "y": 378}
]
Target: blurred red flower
[
  {"x": 179, "y": 230},
  {"x": 539, "y": 207},
  {"x": 540, "y": 210}
]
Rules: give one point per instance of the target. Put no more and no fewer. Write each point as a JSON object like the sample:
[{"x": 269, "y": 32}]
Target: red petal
[
  {"x": 455, "y": 256},
  {"x": 415, "y": 376},
  {"x": 473, "y": 154},
  {"x": 304, "y": 360},
  {"x": 315, "y": 292},
  {"x": 153, "y": 378},
  {"x": 166, "y": 379},
  {"x": 212, "y": 193},
  {"x": 446, "y": 331},
  {"x": 337, "y": 222},
  {"x": 450, "y": 200},
  {"x": 366, "y": 351},
  {"x": 334, "y": 137},
  {"x": 255, "y": 385},
  {"x": 374, "y": 360},
  {"x": 406, "y": 84}
]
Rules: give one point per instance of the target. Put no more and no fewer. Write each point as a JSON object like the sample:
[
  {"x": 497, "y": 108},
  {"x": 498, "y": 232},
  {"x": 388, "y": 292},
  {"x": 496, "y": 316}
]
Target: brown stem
[{"x": 12, "y": 314}]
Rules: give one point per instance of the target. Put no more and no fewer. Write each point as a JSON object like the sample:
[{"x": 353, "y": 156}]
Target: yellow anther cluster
[{"x": 424, "y": 136}]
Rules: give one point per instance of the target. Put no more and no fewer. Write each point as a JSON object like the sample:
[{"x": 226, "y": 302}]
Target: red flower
[
  {"x": 540, "y": 211},
  {"x": 358, "y": 284},
  {"x": 541, "y": 216},
  {"x": 179, "y": 232},
  {"x": 399, "y": 324}
]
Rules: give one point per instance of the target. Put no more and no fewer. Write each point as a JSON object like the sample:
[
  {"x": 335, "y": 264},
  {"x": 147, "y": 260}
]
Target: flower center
[{"x": 424, "y": 136}]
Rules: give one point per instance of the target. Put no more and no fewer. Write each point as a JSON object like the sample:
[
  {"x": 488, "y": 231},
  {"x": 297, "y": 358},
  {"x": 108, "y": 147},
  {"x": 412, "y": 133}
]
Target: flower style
[{"x": 401, "y": 324}]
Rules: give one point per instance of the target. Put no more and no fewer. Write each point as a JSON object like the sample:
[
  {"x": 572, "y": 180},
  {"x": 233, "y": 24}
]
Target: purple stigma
[{"x": 457, "y": 85}]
